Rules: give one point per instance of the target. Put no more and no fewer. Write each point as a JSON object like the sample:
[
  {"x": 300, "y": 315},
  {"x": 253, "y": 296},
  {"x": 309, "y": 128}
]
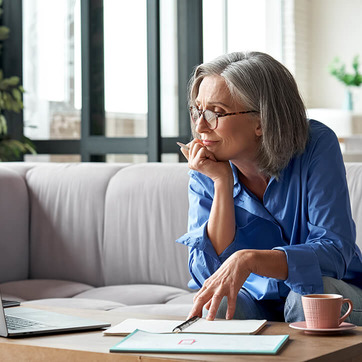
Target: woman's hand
[
  {"x": 225, "y": 282},
  {"x": 202, "y": 160},
  {"x": 230, "y": 277}
]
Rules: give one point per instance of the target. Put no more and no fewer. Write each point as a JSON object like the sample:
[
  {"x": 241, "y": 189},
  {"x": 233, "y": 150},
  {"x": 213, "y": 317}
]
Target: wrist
[
  {"x": 223, "y": 183},
  {"x": 226, "y": 181},
  {"x": 247, "y": 259}
]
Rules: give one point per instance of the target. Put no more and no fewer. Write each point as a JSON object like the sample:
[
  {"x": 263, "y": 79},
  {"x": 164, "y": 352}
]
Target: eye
[{"x": 219, "y": 110}]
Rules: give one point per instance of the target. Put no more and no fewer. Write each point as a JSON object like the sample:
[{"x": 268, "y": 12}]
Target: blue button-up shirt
[{"x": 306, "y": 213}]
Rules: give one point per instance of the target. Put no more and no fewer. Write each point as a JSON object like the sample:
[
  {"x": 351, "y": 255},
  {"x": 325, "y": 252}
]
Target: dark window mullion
[
  {"x": 57, "y": 147},
  {"x": 92, "y": 43},
  {"x": 153, "y": 71},
  {"x": 190, "y": 54},
  {"x": 12, "y": 60}
]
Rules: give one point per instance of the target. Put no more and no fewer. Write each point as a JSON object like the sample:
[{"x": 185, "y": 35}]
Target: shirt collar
[
  {"x": 237, "y": 186},
  {"x": 246, "y": 201}
]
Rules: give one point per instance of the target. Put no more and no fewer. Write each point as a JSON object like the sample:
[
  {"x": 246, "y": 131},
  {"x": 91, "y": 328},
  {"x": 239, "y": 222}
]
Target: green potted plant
[
  {"x": 10, "y": 100},
  {"x": 354, "y": 79}
]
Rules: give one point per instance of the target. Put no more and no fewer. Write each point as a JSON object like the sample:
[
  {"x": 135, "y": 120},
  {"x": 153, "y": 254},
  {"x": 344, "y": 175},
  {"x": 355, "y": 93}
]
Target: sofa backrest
[
  {"x": 67, "y": 220},
  {"x": 146, "y": 211},
  {"x": 14, "y": 226},
  {"x": 103, "y": 224},
  {"x": 95, "y": 223}
]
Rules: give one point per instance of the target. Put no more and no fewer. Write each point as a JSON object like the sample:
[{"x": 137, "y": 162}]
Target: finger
[
  {"x": 215, "y": 303},
  {"x": 199, "y": 157},
  {"x": 210, "y": 155},
  {"x": 185, "y": 153},
  {"x": 204, "y": 153},
  {"x": 195, "y": 311},
  {"x": 231, "y": 308},
  {"x": 194, "y": 142},
  {"x": 202, "y": 298},
  {"x": 207, "y": 305},
  {"x": 195, "y": 148}
]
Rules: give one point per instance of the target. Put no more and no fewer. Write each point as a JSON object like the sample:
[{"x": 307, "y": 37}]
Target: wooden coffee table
[{"x": 93, "y": 346}]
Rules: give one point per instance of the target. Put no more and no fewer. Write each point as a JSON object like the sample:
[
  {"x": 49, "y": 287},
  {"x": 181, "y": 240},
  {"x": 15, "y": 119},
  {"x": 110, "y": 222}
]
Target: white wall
[{"x": 335, "y": 29}]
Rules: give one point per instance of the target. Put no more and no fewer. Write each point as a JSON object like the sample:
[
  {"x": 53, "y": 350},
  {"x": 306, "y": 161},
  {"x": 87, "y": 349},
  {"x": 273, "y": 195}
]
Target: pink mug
[{"x": 324, "y": 310}]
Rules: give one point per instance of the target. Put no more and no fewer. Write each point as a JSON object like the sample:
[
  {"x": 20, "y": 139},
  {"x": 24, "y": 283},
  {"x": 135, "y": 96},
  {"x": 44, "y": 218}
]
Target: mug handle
[{"x": 350, "y": 307}]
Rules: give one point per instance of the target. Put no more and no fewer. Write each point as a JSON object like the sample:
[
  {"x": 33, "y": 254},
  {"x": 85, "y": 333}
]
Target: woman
[{"x": 269, "y": 217}]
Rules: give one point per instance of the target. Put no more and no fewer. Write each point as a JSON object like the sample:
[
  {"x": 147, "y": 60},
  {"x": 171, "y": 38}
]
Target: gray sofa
[
  {"x": 99, "y": 236},
  {"x": 102, "y": 236}
]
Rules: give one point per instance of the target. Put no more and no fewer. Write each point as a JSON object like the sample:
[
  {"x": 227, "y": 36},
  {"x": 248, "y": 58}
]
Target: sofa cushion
[
  {"x": 174, "y": 310},
  {"x": 67, "y": 220},
  {"x": 183, "y": 299},
  {"x": 77, "y": 303},
  {"x": 146, "y": 211},
  {"x": 134, "y": 294},
  {"x": 46, "y": 288},
  {"x": 14, "y": 226}
]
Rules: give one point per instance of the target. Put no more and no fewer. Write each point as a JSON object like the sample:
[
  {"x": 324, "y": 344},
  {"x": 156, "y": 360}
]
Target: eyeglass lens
[{"x": 209, "y": 116}]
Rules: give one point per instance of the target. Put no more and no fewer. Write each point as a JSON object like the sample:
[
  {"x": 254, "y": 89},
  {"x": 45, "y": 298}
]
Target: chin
[{"x": 221, "y": 158}]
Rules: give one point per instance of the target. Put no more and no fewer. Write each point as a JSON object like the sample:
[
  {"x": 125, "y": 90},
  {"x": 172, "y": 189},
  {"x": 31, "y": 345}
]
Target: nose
[{"x": 201, "y": 125}]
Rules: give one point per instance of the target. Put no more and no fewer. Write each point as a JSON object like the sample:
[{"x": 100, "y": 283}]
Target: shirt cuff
[
  {"x": 232, "y": 248},
  {"x": 198, "y": 239},
  {"x": 304, "y": 274}
]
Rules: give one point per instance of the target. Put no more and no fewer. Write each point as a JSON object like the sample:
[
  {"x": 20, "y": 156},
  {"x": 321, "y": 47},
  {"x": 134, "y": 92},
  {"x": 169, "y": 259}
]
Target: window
[
  {"x": 168, "y": 68},
  {"x": 51, "y": 69},
  {"x": 125, "y": 68},
  {"x": 242, "y": 25},
  {"x": 108, "y": 77},
  {"x": 105, "y": 80}
]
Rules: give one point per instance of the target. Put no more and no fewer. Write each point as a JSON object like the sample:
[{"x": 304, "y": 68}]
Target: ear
[{"x": 258, "y": 129}]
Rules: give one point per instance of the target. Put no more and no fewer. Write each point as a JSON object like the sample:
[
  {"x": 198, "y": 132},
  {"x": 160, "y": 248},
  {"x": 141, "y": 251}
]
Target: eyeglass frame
[{"x": 218, "y": 115}]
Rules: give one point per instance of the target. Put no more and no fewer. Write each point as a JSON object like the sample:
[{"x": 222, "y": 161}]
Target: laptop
[
  {"x": 20, "y": 322},
  {"x": 10, "y": 303}
]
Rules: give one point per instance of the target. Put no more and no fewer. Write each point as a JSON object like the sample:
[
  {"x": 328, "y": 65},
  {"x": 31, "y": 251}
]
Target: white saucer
[{"x": 303, "y": 327}]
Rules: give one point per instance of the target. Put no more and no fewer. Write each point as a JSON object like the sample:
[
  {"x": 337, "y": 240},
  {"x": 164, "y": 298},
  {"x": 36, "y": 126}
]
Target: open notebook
[{"x": 249, "y": 326}]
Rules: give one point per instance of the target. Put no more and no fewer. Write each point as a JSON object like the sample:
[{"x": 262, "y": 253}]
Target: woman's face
[{"x": 236, "y": 137}]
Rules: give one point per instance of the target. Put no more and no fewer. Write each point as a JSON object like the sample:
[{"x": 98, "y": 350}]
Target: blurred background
[{"x": 106, "y": 80}]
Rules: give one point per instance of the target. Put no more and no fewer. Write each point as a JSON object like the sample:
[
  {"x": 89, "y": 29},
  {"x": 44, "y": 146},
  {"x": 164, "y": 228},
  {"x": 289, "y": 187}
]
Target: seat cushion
[
  {"x": 77, "y": 303},
  {"x": 183, "y": 299},
  {"x": 177, "y": 310},
  {"x": 134, "y": 294},
  {"x": 43, "y": 288}
]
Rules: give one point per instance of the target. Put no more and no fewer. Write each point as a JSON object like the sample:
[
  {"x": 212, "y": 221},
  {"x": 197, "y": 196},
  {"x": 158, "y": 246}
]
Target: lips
[{"x": 209, "y": 143}]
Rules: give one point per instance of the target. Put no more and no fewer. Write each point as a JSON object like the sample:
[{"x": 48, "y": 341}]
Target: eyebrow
[{"x": 215, "y": 103}]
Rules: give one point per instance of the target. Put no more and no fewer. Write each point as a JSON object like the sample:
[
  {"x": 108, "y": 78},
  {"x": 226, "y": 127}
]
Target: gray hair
[{"x": 263, "y": 84}]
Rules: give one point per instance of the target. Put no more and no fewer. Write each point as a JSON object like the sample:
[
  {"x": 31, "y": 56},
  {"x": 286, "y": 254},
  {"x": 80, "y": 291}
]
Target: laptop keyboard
[{"x": 16, "y": 323}]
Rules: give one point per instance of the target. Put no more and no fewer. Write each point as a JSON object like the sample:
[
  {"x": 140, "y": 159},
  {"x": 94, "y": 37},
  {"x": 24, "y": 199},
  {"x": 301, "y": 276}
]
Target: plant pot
[{"x": 348, "y": 102}]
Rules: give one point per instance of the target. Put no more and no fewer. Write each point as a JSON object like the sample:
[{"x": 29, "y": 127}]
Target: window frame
[{"x": 93, "y": 146}]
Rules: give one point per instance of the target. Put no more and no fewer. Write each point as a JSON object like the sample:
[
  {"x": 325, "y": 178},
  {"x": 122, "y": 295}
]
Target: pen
[
  {"x": 185, "y": 324},
  {"x": 183, "y": 146}
]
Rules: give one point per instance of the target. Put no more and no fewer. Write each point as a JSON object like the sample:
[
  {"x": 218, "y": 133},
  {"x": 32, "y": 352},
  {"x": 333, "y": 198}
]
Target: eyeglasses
[{"x": 211, "y": 117}]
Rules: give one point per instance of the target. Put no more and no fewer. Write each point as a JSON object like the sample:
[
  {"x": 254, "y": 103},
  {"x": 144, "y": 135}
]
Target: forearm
[
  {"x": 267, "y": 263},
  {"x": 221, "y": 224}
]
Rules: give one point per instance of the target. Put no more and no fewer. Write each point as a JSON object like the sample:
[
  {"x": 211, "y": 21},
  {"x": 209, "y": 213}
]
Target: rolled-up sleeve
[
  {"x": 330, "y": 242},
  {"x": 203, "y": 259}
]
